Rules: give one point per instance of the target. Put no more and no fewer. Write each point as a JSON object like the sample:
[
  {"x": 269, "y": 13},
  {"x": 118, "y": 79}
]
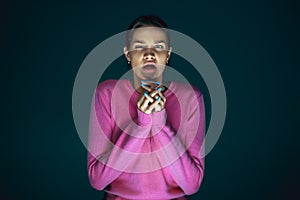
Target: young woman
[{"x": 146, "y": 135}]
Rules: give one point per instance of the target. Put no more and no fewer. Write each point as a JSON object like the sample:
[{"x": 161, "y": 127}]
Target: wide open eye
[{"x": 159, "y": 46}]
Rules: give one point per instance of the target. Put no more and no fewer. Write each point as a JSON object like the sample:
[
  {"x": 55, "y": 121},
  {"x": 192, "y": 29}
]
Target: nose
[{"x": 149, "y": 55}]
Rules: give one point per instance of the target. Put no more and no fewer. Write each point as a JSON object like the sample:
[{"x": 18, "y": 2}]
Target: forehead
[{"x": 149, "y": 34}]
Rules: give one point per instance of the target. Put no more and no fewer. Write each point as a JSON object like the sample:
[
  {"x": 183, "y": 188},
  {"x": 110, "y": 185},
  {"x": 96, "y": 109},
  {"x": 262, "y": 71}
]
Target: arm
[
  {"x": 187, "y": 169},
  {"x": 107, "y": 161}
]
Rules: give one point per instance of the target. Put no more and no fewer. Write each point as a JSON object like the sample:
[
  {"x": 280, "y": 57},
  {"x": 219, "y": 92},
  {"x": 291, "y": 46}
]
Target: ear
[
  {"x": 169, "y": 53},
  {"x": 126, "y": 53}
]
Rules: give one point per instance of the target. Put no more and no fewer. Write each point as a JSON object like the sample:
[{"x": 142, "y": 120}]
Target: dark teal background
[{"x": 255, "y": 45}]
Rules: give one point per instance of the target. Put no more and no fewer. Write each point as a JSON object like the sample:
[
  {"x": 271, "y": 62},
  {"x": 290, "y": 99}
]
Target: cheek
[
  {"x": 136, "y": 56},
  {"x": 162, "y": 56}
]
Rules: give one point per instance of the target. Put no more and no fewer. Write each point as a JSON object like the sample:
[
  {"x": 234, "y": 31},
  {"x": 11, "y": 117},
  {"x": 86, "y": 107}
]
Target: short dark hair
[{"x": 144, "y": 21}]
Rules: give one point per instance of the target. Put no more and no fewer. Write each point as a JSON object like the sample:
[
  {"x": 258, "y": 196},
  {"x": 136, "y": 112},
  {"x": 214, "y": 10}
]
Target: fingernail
[
  {"x": 159, "y": 89},
  {"x": 158, "y": 99},
  {"x": 146, "y": 94},
  {"x": 144, "y": 81},
  {"x": 143, "y": 85},
  {"x": 158, "y": 83}
]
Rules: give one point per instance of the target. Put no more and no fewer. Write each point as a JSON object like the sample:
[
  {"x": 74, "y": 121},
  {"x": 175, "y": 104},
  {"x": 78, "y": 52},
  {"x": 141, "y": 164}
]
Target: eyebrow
[
  {"x": 142, "y": 42},
  {"x": 139, "y": 41},
  {"x": 160, "y": 41}
]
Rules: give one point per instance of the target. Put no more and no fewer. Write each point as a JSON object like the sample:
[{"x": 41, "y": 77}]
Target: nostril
[{"x": 149, "y": 57}]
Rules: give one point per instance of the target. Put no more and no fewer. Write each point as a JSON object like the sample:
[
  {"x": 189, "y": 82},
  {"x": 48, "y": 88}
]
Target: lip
[
  {"x": 149, "y": 63},
  {"x": 149, "y": 67}
]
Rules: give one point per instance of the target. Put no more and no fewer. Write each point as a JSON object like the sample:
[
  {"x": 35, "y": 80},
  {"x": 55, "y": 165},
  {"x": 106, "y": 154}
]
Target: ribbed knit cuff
[{"x": 143, "y": 118}]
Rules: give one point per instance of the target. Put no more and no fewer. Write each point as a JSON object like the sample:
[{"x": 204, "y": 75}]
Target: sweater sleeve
[
  {"x": 187, "y": 166},
  {"x": 107, "y": 160}
]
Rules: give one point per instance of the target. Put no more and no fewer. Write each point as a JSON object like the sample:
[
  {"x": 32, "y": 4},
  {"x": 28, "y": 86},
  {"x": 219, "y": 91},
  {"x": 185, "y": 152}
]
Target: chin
[{"x": 150, "y": 77}]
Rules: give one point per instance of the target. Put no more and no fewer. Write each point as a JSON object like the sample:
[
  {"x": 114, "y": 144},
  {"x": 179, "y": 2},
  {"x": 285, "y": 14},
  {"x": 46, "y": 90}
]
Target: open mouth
[{"x": 149, "y": 66}]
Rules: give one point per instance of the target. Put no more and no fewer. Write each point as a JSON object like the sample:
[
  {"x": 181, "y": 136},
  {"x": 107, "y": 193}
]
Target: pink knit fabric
[{"x": 133, "y": 155}]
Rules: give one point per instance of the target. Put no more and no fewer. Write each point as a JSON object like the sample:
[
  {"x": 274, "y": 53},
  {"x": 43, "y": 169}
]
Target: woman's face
[{"x": 148, "y": 53}]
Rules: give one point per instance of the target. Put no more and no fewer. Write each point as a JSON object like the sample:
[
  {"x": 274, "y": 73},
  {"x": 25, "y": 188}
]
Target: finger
[
  {"x": 162, "y": 96},
  {"x": 145, "y": 103},
  {"x": 155, "y": 103},
  {"x": 156, "y": 94},
  {"x": 149, "y": 108},
  {"x": 158, "y": 88},
  {"x": 151, "y": 84},
  {"x": 146, "y": 87},
  {"x": 144, "y": 100},
  {"x": 153, "y": 93},
  {"x": 148, "y": 97},
  {"x": 158, "y": 83},
  {"x": 161, "y": 99},
  {"x": 140, "y": 101},
  {"x": 145, "y": 107},
  {"x": 162, "y": 104}
]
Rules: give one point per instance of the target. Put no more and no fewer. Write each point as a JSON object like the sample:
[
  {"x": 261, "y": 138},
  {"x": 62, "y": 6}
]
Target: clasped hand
[{"x": 152, "y": 100}]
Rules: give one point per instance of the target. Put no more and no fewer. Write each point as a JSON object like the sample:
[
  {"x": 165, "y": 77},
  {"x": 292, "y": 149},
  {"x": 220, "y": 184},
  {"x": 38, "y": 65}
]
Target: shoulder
[
  {"x": 107, "y": 84},
  {"x": 105, "y": 88},
  {"x": 186, "y": 90}
]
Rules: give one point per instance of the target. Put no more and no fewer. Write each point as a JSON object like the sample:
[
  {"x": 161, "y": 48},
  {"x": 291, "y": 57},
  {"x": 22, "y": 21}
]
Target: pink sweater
[{"x": 133, "y": 155}]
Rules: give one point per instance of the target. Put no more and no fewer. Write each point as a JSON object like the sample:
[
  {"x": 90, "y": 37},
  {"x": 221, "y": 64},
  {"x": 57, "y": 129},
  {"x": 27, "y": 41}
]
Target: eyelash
[
  {"x": 160, "y": 46},
  {"x": 156, "y": 46},
  {"x": 138, "y": 47}
]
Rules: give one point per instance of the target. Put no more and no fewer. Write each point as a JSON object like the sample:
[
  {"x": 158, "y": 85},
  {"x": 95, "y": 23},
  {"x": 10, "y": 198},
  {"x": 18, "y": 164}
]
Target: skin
[
  {"x": 154, "y": 101},
  {"x": 148, "y": 54}
]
